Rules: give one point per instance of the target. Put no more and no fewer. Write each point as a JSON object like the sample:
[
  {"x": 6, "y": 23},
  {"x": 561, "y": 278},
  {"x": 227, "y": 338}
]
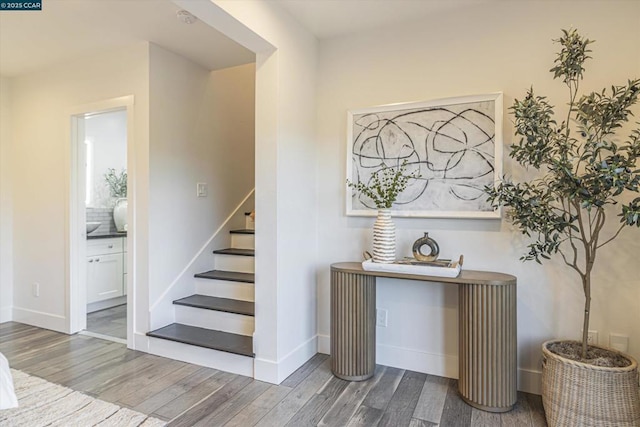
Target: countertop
[{"x": 106, "y": 235}]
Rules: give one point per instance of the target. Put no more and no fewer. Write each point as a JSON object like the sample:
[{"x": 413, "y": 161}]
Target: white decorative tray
[{"x": 421, "y": 270}]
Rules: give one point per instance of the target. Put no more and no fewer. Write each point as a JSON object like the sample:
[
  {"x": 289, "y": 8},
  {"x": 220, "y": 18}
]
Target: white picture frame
[{"x": 454, "y": 143}]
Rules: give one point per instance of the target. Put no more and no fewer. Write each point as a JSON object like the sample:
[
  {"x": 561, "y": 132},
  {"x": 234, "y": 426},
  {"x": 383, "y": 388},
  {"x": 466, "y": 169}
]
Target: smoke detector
[{"x": 186, "y": 17}]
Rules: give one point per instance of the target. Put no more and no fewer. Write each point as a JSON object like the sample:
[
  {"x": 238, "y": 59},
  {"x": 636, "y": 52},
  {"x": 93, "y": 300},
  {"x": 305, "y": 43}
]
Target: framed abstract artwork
[{"x": 455, "y": 144}]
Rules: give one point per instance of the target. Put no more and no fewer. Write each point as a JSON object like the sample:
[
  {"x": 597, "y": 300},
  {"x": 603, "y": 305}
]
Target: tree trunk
[{"x": 586, "y": 283}]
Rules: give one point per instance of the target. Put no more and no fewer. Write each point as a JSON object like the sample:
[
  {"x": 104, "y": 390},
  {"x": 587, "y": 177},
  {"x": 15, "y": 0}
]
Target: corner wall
[
  {"x": 6, "y": 212},
  {"x": 202, "y": 130},
  {"x": 498, "y": 46},
  {"x": 40, "y": 116},
  {"x": 286, "y": 220}
]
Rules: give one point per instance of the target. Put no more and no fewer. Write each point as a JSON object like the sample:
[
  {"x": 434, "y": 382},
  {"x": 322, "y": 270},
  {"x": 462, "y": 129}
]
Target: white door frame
[{"x": 76, "y": 306}]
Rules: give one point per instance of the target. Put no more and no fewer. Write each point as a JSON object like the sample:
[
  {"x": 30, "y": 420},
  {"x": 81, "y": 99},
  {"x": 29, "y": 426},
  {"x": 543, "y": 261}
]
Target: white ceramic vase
[
  {"x": 120, "y": 214},
  {"x": 384, "y": 238}
]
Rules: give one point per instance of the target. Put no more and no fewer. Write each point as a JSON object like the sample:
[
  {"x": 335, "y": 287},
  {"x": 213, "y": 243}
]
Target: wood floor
[
  {"x": 111, "y": 322},
  {"x": 190, "y": 395}
]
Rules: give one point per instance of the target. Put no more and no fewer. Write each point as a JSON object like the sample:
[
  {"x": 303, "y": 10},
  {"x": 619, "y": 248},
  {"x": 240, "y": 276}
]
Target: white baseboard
[
  {"x": 276, "y": 372},
  {"x": 442, "y": 365},
  {"x": 324, "y": 344},
  {"x": 103, "y": 337},
  {"x": 102, "y": 305},
  {"x": 140, "y": 342},
  {"x": 54, "y": 322},
  {"x": 6, "y": 314},
  {"x": 266, "y": 370},
  {"x": 529, "y": 381}
]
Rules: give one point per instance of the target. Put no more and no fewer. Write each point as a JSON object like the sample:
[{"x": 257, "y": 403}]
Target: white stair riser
[
  {"x": 249, "y": 223},
  {"x": 221, "y": 360},
  {"x": 225, "y": 289},
  {"x": 238, "y": 263},
  {"x": 243, "y": 241},
  {"x": 216, "y": 320}
]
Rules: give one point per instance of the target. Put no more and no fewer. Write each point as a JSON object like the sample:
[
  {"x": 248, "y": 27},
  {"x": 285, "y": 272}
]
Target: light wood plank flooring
[
  {"x": 190, "y": 395},
  {"x": 111, "y": 321}
]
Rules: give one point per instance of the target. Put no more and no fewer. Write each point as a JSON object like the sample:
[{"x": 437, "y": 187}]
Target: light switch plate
[{"x": 201, "y": 189}]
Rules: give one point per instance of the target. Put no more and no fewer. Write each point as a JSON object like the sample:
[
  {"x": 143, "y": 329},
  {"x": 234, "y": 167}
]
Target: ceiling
[
  {"x": 68, "y": 29},
  {"x": 333, "y": 18}
]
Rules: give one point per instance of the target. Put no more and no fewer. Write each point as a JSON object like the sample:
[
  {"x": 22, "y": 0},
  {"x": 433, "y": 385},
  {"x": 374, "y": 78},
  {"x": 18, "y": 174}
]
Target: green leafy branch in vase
[
  {"x": 385, "y": 185},
  {"x": 117, "y": 182}
]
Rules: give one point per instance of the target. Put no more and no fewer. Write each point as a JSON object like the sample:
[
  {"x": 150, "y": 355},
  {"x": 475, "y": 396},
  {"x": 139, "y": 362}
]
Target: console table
[{"x": 487, "y": 330}]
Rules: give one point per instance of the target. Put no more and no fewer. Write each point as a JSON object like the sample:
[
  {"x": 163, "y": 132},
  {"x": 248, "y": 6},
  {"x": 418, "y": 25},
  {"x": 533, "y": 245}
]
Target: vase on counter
[
  {"x": 384, "y": 238},
  {"x": 120, "y": 214}
]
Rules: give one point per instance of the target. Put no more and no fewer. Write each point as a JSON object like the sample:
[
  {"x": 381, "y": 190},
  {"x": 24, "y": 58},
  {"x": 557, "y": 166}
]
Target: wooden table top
[{"x": 473, "y": 277}]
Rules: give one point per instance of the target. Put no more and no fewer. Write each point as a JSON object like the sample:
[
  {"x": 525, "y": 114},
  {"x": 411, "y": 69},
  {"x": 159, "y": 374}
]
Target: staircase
[{"x": 219, "y": 317}]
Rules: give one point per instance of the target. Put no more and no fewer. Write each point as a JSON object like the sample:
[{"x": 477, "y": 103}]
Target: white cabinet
[
  {"x": 105, "y": 270},
  {"x": 104, "y": 277}
]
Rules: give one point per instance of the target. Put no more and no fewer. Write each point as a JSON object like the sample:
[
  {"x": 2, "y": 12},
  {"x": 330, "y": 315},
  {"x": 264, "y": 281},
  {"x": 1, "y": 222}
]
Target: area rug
[{"x": 46, "y": 404}]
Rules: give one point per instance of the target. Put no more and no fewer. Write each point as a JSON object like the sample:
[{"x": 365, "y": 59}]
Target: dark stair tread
[
  {"x": 232, "y": 276},
  {"x": 243, "y": 231},
  {"x": 234, "y": 251},
  {"x": 208, "y": 338},
  {"x": 218, "y": 304}
]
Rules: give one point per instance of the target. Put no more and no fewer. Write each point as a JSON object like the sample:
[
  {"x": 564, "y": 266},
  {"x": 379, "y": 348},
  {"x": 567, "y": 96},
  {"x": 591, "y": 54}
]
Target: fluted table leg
[
  {"x": 488, "y": 346},
  {"x": 353, "y": 326}
]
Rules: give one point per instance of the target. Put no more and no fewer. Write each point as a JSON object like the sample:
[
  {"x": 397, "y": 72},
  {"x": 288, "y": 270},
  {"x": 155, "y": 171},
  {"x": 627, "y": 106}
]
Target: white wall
[
  {"x": 107, "y": 135},
  {"x": 41, "y": 105},
  {"x": 502, "y": 46},
  {"x": 190, "y": 144},
  {"x": 6, "y": 214},
  {"x": 202, "y": 130}
]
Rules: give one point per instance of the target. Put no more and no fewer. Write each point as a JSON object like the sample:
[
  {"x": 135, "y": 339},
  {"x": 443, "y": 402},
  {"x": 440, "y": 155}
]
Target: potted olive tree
[{"x": 586, "y": 172}]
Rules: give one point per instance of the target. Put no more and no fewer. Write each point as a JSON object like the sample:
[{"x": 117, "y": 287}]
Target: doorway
[{"x": 100, "y": 221}]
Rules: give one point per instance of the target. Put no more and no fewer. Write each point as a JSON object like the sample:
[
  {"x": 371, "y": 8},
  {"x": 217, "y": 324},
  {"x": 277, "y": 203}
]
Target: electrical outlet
[
  {"x": 592, "y": 337},
  {"x": 619, "y": 342},
  {"x": 36, "y": 289},
  {"x": 381, "y": 317}
]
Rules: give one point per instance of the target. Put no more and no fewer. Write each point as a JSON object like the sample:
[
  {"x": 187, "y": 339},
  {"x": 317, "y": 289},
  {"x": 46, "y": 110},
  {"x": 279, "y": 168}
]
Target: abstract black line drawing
[{"x": 454, "y": 143}]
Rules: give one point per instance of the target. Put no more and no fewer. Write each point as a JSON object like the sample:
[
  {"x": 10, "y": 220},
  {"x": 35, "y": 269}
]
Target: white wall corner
[
  {"x": 140, "y": 342},
  {"x": 6, "y": 314},
  {"x": 41, "y": 319},
  {"x": 276, "y": 372},
  {"x": 530, "y": 381},
  {"x": 266, "y": 370},
  {"x": 324, "y": 344}
]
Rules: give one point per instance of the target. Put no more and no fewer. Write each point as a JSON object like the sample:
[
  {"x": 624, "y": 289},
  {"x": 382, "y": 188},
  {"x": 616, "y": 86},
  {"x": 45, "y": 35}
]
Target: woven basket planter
[{"x": 579, "y": 394}]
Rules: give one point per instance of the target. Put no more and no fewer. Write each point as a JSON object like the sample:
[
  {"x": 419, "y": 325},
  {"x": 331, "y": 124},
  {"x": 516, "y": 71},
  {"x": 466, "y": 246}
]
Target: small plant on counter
[
  {"x": 385, "y": 185},
  {"x": 117, "y": 182}
]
